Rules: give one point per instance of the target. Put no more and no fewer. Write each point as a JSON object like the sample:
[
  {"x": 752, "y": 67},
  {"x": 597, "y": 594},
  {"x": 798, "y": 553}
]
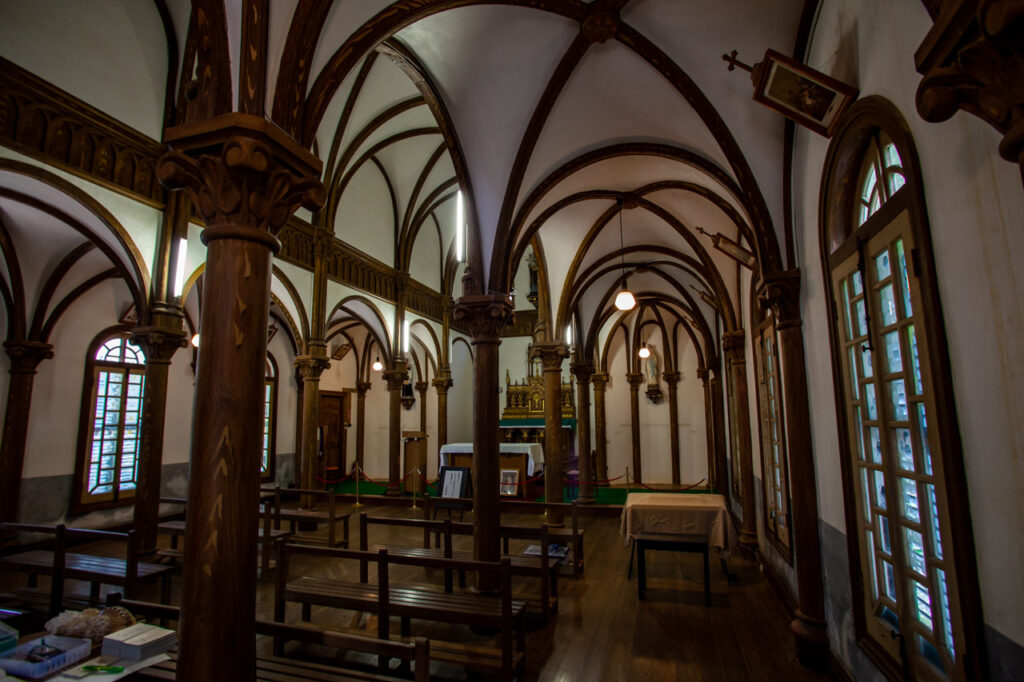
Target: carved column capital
[
  {"x": 485, "y": 315},
  {"x": 422, "y": 386},
  {"x": 733, "y": 344},
  {"x": 395, "y": 377},
  {"x": 442, "y": 383},
  {"x": 362, "y": 387},
  {"x": 244, "y": 175},
  {"x": 971, "y": 60},
  {"x": 671, "y": 378},
  {"x": 26, "y": 355},
  {"x": 703, "y": 374},
  {"x": 635, "y": 379},
  {"x": 311, "y": 366},
  {"x": 600, "y": 380},
  {"x": 780, "y": 291},
  {"x": 159, "y": 343},
  {"x": 551, "y": 354},
  {"x": 583, "y": 371}
]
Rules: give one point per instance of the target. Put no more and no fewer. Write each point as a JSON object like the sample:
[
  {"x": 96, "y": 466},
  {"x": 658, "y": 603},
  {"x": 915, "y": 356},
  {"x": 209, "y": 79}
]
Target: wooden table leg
[{"x": 641, "y": 567}]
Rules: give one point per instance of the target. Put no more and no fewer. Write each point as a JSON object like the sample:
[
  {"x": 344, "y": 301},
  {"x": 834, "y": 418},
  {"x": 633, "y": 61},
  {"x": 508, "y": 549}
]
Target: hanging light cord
[{"x": 622, "y": 248}]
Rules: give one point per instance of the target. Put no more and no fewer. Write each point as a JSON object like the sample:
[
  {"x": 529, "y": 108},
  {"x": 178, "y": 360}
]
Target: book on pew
[
  {"x": 139, "y": 641},
  {"x": 555, "y": 552}
]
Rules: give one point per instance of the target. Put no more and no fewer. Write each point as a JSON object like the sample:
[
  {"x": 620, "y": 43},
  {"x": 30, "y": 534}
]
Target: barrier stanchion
[
  {"x": 359, "y": 471},
  {"x": 418, "y": 473}
]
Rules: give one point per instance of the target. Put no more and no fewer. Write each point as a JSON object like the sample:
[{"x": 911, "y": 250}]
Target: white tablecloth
[
  {"x": 672, "y": 515},
  {"x": 534, "y": 452}
]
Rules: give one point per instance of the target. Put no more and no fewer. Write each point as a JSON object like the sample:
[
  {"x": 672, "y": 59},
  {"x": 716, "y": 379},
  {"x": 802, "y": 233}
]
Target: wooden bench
[
  {"x": 331, "y": 516},
  {"x": 415, "y": 653},
  {"x": 61, "y": 564},
  {"x": 267, "y": 537},
  {"x": 541, "y": 567},
  {"x": 499, "y": 612},
  {"x": 569, "y": 535}
]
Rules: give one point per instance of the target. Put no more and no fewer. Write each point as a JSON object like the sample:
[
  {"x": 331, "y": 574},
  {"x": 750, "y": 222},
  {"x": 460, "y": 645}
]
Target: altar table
[{"x": 533, "y": 451}]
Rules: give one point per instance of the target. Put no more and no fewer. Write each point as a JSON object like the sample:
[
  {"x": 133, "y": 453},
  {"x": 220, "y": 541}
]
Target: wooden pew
[
  {"x": 331, "y": 516},
  {"x": 498, "y": 612},
  {"x": 541, "y": 567},
  {"x": 569, "y": 535},
  {"x": 267, "y": 537},
  {"x": 416, "y": 652},
  {"x": 61, "y": 564}
]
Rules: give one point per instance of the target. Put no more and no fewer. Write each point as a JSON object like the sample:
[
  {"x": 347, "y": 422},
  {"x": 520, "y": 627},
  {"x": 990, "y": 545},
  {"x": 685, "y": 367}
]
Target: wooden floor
[{"x": 602, "y": 631}]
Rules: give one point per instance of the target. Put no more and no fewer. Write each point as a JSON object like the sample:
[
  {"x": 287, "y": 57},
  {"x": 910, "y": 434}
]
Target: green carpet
[{"x": 614, "y": 495}]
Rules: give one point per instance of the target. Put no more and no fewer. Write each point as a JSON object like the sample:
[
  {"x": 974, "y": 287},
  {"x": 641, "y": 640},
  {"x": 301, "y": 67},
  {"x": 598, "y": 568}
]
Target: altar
[{"x": 518, "y": 462}]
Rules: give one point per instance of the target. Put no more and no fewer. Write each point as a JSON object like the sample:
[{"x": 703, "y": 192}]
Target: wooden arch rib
[
  {"x": 385, "y": 342},
  {"x": 431, "y": 203},
  {"x": 435, "y": 343},
  {"x": 128, "y": 260},
  {"x": 293, "y": 74},
  {"x": 13, "y": 286},
  {"x": 293, "y": 293},
  {"x": 286, "y": 319}
]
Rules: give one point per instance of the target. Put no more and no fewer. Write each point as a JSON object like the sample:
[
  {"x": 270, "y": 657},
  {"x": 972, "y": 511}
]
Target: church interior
[{"x": 546, "y": 257}]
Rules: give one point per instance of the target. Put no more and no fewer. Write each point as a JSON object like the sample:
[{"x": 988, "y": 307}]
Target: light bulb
[
  {"x": 377, "y": 365},
  {"x": 624, "y": 299},
  {"x": 645, "y": 352},
  {"x": 195, "y": 340}
]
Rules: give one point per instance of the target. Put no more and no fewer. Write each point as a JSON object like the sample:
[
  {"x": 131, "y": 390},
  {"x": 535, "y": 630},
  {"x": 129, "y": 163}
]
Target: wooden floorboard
[{"x": 601, "y": 632}]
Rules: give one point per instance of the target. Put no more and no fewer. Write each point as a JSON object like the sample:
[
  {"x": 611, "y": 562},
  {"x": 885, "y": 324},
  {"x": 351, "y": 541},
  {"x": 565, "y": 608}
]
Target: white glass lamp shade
[
  {"x": 644, "y": 352},
  {"x": 377, "y": 365},
  {"x": 624, "y": 300}
]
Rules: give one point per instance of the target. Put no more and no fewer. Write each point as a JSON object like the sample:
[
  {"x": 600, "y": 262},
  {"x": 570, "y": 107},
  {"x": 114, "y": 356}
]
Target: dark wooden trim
[
  {"x": 42, "y": 121},
  {"x": 271, "y": 473},
  {"x": 864, "y": 119},
  {"x": 17, "y": 315},
  {"x": 778, "y": 585},
  {"x": 296, "y": 62},
  {"x": 51, "y": 284},
  {"x": 212, "y": 89},
  {"x": 172, "y": 62},
  {"x": 67, "y": 301},
  {"x": 252, "y": 76}
]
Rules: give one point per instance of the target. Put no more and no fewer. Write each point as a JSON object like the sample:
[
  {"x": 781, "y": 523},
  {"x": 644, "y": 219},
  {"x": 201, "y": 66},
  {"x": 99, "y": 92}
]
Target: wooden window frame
[
  {"x": 780, "y": 535},
  {"x": 841, "y": 236},
  {"x": 81, "y": 502},
  {"x": 270, "y": 381}
]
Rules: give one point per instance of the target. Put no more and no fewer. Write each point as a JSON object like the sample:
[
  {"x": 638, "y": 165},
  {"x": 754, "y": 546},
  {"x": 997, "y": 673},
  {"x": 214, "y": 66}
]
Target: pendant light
[
  {"x": 644, "y": 351},
  {"x": 624, "y": 300},
  {"x": 377, "y": 365}
]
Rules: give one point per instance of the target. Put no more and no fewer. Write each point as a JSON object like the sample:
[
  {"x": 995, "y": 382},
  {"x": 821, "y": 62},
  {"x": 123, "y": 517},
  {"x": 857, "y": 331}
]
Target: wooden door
[{"x": 332, "y": 429}]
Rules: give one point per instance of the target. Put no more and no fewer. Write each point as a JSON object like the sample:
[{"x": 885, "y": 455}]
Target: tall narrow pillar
[
  {"x": 395, "y": 378},
  {"x": 733, "y": 343},
  {"x": 600, "y": 380},
  {"x": 485, "y": 315},
  {"x": 636, "y": 380},
  {"x": 782, "y": 292},
  {"x": 721, "y": 475},
  {"x": 247, "y": 177},
  {"x": 672, "y": 379},
  {"x": 160, "y": 341},
  {"x": 421, "y": 388},
  {"x": 583, "y": 372},
  {"x": 25, "y": 358},
  {"x": 361, "y": 388},
  {"x": 551, "y": 354},
  {"x": 442, "y": 383},
  {"x": 311, "y": 366}
]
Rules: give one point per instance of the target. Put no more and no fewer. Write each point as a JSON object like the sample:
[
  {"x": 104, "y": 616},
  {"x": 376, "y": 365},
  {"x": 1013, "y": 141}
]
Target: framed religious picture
[
  {"x": 509, "y": 482},
  {"x": 798, "y": 92}
]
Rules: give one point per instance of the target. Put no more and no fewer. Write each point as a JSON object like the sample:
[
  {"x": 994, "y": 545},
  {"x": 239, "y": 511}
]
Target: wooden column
[
  {"x": 25, "y": 358},
  {"x": 310, "y": 367},
  {"x": 160, "y": 341},
  {"x": 721, "y": 475},
  {"x": 583, "y": 372},
  {"x": 485, "y": 315},
  {"x": 245, "y": 181},
  {"x": 421, "y": 388},
  {"x": 551, "y": 354},
  {"x": 600, "y": 380},
  {"x": 672, "y": 379},
  {"x": 395, "y": 378},
  {"x": 441, "y": 384},
  {"x": 734, "y": 346},
  {"x": 782, "y": 293},
  {"x": 709, "y": 423},
  {"x": 636, "y": 380},
  {"x": 361, "y": 388}
]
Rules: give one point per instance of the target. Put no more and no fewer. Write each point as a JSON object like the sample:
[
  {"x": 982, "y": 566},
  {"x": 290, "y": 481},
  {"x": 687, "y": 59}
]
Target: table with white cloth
[
  {"x": 676, "y": 522},
  {"x": 533, "y": 451}
]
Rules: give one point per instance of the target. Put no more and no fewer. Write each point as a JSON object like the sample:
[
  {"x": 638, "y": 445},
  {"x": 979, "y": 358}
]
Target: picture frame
[
  {"x": 454, "y": 482},
  {"x": 509, "y": 482},
  {"x": 800, "y": 93}
]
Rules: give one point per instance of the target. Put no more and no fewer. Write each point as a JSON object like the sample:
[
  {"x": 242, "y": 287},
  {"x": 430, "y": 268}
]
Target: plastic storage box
[{"x": 72, "y": 649}]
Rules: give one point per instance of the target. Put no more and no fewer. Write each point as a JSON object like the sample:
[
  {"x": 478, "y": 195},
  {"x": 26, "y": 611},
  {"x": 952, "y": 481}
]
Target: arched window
[
  {"x": 914, "y": 579},
  {"x": 774, "y": 460},
  {"x": 269, "y": 419},
  {"x": 115, "y": 384}
]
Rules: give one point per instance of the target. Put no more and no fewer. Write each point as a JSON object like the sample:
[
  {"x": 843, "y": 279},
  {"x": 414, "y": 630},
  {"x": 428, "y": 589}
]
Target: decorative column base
[{"x": 811, "y": 641}]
